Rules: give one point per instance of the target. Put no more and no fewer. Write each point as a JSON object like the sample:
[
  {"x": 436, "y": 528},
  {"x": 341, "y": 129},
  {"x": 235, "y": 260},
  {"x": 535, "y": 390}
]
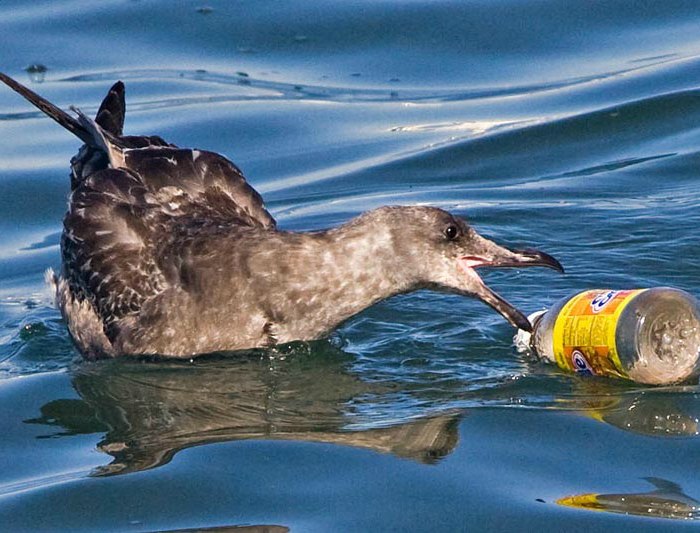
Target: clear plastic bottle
[{"x": 645, "y": 335}]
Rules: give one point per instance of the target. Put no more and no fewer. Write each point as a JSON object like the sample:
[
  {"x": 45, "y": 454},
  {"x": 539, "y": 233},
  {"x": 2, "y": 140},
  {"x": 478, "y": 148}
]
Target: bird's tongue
[{"x": 470, "y": 261}]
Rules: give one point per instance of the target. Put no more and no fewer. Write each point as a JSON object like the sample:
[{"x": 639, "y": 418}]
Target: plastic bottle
[{"x": 645, "y": 335}]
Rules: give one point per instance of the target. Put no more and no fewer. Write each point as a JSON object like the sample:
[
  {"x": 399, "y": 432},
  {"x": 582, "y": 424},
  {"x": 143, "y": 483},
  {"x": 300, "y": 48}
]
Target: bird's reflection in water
[
  {"x": 149, "y": 411},
  {"x": 667, "y": 500}
]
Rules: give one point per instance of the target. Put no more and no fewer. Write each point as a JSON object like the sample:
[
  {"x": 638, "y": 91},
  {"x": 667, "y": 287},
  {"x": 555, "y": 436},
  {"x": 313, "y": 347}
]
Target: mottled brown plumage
[{"x": 170, "y": 251}]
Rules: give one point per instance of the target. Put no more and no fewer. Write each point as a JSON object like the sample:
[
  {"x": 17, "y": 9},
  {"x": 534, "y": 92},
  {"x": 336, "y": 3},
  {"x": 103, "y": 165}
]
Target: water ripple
[{"x": 250, "y": 88}]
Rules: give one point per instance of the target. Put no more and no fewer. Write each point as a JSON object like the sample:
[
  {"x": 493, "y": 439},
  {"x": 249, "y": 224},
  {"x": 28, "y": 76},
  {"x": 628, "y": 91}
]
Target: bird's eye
[{"x": 451, "y": 232}]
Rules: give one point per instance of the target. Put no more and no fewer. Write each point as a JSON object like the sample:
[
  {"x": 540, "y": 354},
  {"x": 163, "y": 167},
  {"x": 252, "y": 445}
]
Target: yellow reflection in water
[{"x": 667, "y": 500}]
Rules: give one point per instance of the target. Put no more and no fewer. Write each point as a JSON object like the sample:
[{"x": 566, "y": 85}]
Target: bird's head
[{"x": 441, "y": 251}]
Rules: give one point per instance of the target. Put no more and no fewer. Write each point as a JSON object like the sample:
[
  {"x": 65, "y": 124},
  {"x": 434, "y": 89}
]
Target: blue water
[{"x": 569, "y": 126}]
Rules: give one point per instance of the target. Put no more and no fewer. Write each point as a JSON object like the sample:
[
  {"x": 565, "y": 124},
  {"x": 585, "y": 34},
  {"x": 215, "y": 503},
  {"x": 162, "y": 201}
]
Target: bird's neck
[{"x": 330, "y": 276}]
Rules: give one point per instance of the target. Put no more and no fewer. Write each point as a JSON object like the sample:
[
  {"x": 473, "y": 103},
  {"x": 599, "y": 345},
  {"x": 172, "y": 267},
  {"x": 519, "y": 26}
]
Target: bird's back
[{"x": 132, "y": 198}]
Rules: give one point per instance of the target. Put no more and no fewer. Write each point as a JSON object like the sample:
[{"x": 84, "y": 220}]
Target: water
[{"x": 572, "y": 127}]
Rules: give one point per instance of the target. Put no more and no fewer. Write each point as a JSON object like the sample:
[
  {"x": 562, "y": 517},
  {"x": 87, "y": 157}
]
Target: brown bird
[{"x": 169, "y": 251}]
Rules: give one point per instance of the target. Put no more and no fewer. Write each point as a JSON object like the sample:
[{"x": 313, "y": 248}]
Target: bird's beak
[{"x": 493, "y": 255}]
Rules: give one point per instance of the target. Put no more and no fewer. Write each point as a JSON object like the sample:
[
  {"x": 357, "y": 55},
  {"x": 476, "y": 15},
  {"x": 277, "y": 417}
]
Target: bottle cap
[{"x": 522, "y": 338}]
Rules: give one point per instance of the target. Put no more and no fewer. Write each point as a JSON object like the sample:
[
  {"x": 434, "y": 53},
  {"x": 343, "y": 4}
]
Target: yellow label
[{"x": 584, "y": 332}]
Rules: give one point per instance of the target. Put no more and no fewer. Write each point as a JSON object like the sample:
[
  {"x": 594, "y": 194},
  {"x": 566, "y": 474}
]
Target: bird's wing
[
  {"x": 180, "y": 179},
  {"x": 196, "y": 176},
  {"x": 130, "y": 194},
  {"x": 198, "y": 183},
  {"x": 125, "y": 227},
  {"x": 107, "y": 245}
]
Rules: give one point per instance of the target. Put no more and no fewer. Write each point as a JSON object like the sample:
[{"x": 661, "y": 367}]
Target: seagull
[{"x": 170, "y": 252}]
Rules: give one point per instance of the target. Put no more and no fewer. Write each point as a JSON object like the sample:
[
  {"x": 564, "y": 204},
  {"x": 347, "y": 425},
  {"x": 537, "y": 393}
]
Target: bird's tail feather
[
  {"x": 60, "y": 116},
  {"x": 111, "y": 113},
  {"x": 99, "y": 138},
  {"x": 90, "y": 131}
]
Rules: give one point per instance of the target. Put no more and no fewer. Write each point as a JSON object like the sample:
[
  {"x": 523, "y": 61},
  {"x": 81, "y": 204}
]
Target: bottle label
[{"x": 584, "y": 332}]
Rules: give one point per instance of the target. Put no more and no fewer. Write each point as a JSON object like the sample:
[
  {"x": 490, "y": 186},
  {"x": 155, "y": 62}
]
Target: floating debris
[
  {"x": 243, "y": 78},
  {"x": 37, "y": 72},
  {"x": 299, "y": 38},
  {"x": 205, "y": 10},
  {"x": 31, "y": 304}
]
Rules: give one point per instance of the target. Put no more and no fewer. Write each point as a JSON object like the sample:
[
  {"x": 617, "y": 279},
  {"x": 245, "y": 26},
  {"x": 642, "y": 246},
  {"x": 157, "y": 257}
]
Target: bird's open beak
[{"x": 497, "y": 256}]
